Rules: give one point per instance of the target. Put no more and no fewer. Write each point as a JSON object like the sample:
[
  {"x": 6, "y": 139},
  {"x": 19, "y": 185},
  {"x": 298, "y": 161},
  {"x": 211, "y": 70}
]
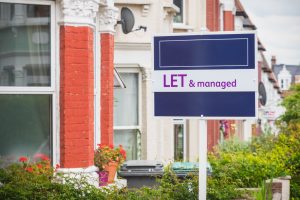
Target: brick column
[
  {"x": 228, "y": 14},
  {"x": 76, "y": 96},
  {"x": 77, "y": 87},
  {"x": 107, "y": 20},
  {"x": 212, "y": 15},
  {"x": 228, "y": 21}
]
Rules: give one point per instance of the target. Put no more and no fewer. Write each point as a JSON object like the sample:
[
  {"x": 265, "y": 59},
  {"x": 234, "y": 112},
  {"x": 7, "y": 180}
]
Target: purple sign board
[{"x": 207, "y": 75}]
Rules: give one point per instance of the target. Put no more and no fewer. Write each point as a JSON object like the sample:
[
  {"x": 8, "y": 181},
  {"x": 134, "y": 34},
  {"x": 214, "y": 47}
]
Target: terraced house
[{"x": 70, "y": 78}]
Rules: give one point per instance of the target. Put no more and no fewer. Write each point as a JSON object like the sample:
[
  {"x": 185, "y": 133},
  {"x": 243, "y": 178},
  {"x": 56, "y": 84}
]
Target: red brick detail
[
  {"x": 107, "y": 88},
  {"x": 228, "y": 21},
  {"x": 76, "y": 96},
  {"x": 212, "y": 15},
  {"x": 213, "y": 131}
]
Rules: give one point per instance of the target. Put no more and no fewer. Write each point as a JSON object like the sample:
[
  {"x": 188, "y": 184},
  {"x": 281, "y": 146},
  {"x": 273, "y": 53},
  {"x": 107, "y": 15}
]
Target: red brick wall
[
  {"x": 212, "y": 15},
  {"x": 76, "y": 96},
  {"x": 228, "y": 21},
  {"x": 213, "y": 130},
  {"x": 107, "y": 87}
]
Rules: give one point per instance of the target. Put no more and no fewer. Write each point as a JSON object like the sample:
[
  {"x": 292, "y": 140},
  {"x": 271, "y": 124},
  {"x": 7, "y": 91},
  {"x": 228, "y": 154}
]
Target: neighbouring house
[
  {"x": 144, "y": 136},
  {"x": 286, "y": 75}
]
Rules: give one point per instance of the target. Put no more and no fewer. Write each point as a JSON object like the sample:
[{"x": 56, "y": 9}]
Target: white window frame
[
  {"x": 184, "y": 21},
  {"x": 221, "y": 17},
  {"x": 97, "y": 86},
  {"x": 137, "y": 71},
  {"x": 52, "y": 89},
  {"x": 181, "y": 122},
  {"x": 133, "y": 69}
]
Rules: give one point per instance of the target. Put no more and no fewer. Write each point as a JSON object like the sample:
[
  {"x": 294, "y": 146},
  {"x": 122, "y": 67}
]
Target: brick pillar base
[
  {"x": 76, "y": 97},
  {"x": 107, "y": 88}
]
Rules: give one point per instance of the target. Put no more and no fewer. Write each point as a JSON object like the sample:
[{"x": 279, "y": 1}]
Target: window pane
[
  {"x": 126, "y": 101},
  {"x": 128, "y": 139},
  {"x": 25, "y": 126},
  {"x": 179, "y": 141},
  {"x": 179, "y": 16},
  {"x": 25, "y": 45}
]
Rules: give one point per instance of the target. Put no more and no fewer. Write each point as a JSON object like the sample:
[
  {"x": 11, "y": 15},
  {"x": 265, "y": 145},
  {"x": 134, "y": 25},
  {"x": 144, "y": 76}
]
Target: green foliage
[
  {"x": 221, "y": 189},
  {"x": 265, "y": 192},
  {"x": 244, "y": 169},
  {"x": 233, "y": 144},
  {"x": 292, "y": 106},
  {"x": 267, "y": 157},
  {"x": 264, "y": 143},
  {"x": 20, "y": 184}
]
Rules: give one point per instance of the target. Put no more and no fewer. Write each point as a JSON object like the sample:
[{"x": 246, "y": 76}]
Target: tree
[{"x": 292, "y": 106}]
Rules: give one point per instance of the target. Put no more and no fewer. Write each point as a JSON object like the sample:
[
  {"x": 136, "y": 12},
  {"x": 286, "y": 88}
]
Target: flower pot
[
  {"x": 111, "y": 168},
  {"x": 103, "y": 178}
]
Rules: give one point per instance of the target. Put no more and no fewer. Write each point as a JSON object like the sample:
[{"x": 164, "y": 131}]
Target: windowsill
[{"x": 182, "y": 26}]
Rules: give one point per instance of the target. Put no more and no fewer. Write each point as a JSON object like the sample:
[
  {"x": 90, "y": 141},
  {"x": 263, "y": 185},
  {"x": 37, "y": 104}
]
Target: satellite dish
[
  {"x": 262, "y": 94},
  {"x": 127, "y": 20}
]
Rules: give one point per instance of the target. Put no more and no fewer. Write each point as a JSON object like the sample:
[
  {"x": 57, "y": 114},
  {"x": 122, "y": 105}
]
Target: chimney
[{"x": 273, "y": 60}]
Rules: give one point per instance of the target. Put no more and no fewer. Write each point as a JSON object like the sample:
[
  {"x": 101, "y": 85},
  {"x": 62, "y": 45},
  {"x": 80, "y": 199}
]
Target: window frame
[
  {"x": 184, "y": 21},
  {"x": 181, "y": 122},
  {"x": 133, "y": 69},
  {"x": 221, "y": 17},
  {"x": 53, "y": 37},
  {"x": 139, "y": 113},
  {"x": 51, "y": 90}
]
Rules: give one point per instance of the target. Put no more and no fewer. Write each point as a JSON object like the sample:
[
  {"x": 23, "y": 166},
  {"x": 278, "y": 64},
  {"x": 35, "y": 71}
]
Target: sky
[{"x": 278, "y": 27}]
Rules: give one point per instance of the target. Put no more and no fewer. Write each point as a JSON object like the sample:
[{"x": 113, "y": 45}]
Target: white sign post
[{"x": 202, "y": 159}]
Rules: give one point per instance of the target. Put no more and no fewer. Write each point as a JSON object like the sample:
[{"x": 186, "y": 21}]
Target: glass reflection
[{"x": 24, "y": 45}]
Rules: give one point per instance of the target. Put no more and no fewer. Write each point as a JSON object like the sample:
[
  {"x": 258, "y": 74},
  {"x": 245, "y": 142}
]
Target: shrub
[{"x": 233, "y": 144}]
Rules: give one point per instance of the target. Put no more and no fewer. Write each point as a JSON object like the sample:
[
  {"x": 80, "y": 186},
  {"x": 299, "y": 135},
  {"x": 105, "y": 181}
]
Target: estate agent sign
[{"x": 211, "y": 76}]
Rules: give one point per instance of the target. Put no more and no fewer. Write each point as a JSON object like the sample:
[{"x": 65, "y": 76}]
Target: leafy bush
[
  {"x": 292, "y": 106},
  {"x": 233, "y": 144}
]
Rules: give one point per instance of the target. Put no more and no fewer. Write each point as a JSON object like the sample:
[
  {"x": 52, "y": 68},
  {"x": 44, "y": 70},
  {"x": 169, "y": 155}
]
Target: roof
[
  {"x": 293, "y": 69},
  {"x": 261, "y": 46},
  {"x": 240, "y": 11},
  {"x": 271, "y": 75}
]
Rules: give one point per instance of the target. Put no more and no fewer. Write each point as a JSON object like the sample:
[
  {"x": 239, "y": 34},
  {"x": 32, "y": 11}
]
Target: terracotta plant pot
[
  {"x": 103, "y": 178},
  {"x": 111, "y": 168}
]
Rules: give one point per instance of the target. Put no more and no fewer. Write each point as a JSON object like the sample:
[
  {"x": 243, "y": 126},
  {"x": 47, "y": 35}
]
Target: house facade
[
  {"x": 56, "y": 80},
  {"x": 70, "y": 78},
  {"x": 144, "y": 136}
]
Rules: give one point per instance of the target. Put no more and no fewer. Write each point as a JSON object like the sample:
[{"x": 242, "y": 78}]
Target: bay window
[{"x": 26, "y": 79}]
